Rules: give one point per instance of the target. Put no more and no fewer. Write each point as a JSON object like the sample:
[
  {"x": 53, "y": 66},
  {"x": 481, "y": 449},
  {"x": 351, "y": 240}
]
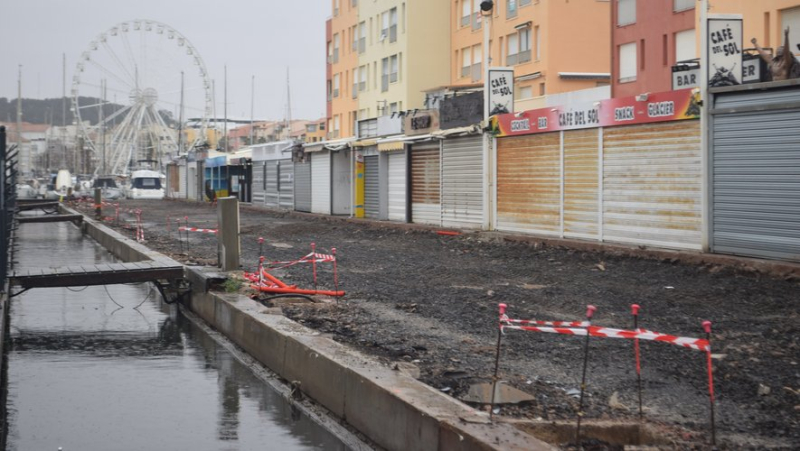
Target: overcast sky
[{"x": 258, "y": 38}]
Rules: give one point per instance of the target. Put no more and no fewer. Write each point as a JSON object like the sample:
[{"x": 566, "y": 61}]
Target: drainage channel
[{"x": 112, "y": 367}]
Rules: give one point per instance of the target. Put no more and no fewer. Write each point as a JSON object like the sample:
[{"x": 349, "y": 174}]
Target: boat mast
[{"x": 19, "y": 112}]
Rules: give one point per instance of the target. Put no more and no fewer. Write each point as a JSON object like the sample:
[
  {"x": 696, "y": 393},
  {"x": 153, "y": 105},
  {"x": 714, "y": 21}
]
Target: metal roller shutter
[
  {"x": 286, "y": 173},
  {"x": 371, "y": 188},
  {"x": 259, "y": 180},
  {"x": 462, "y": 182},
  {"x": 182, "y": 182},
  {"x": 271, "y": 196},
  {"x": 652, "y": 180},
  {"x": 529, "y": 184},
  {"x": 581, "y": 183},
  {"x": 302, "y": 187},
  {"x": 425, "y": 184},
  {"x": 321, "y": 183},
  {"x": 397, "y": 186},
  {"x": 756, "y": 178}
]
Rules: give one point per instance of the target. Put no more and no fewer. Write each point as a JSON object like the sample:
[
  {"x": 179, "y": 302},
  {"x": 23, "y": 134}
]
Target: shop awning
[
  {"x": 460, "y": 131},
  {"x": 333, "y": 146},
  {"x": 365, "y": 143},
  {"x": 390, "y": 146}
]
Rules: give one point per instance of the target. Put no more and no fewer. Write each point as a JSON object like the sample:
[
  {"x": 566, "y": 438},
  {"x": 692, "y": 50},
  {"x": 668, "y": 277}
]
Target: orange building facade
[
  {"x": 554, "y": 46},
  {"x": 342, "y": 51}
]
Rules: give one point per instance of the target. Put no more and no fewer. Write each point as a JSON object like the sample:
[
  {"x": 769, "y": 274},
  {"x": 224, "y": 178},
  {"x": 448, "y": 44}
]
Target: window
[
  {"x": 511, "y": 9},
  {"x": 477, "y": 57},
  {"x": 790, "y": 18},
  {"x": 336, "y": 48},
  {"x": 330, "y": 90},
  {"x": 466, "y": 61},
  {"x": 466, "y": 13},
  {"x": 393, "y": 108},
  {"x": 538, "y": 43},
  {"x": 395, "y": 68},
  {"x": 476, "y": 14},
  {"x": 336, "y": 124},
  {"x": 385, "y": 76},
  {"x": 362, "y": 37},
  {"x": 322, "y": 126},
  {"x": 355, "y": 83},
  {"x": 524, "y": 2},
  {"x": 336, "y": 85},
  {"x": 362, "y": 78},
  {"x": 524, "y": 92},
  {"x": 627, "y": 62},
  {"x": 393, "y": 25},
  {"x": 524, "y": 45},
  {"x": 311, "y": 128},
  {"x": 685, "y": 47},
  {"x": 682, "y": 5},
  {"x": 542, "y": 90},
  {"x": 384, "y": 26},
  {"x": 354, "y": 37},
  {"x": 513, "y": 49},
  {"x": 335, "y": 7},
  {"x": 626, "y": 12},
  {"x": 353, "y": 3},
  {"x": 330, "y": 52}
]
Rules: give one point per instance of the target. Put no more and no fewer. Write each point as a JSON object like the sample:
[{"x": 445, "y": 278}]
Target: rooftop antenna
[
  {"x": 225, "y": 108},
  {"x": 289, "y": 104},
  {"x": 252, "y": 103}
]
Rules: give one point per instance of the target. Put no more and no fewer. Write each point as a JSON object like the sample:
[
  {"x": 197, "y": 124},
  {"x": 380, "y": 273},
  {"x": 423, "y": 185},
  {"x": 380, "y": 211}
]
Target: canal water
[{"x": 87, "y": 370}]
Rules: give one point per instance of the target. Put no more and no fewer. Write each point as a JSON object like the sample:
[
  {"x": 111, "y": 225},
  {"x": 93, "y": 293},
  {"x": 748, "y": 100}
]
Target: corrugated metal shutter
[
  {"x": 397, "y": 186},
  {"x": 529, "y": 184},
  {"x": 259, "y": 180},
  {"x": 652, "y": 180},
  {"x": 272, "y": 195},
  {"x": 192, "y": 183},
  {"x": 581, "y": 183},
  {"x": 302, "y": 187},
  {"x": 200, "y": 181},
  {"x": 462, "y": 182},
  {"x": 372, "y": 202},
  {"x": 321, "y": 183},
  {"x": 182, "y": 182},
  {"x": 756, "y": 184},
  {"x": 425, "y": 184},
  {"x": 286, "y": 171}
]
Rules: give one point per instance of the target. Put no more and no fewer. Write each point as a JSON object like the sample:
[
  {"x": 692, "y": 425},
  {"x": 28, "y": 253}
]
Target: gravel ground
[{"x": 431, "y": 300}]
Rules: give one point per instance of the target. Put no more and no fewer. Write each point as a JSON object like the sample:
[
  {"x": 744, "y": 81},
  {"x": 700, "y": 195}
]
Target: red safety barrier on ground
[{"x": 195, "y": 229}]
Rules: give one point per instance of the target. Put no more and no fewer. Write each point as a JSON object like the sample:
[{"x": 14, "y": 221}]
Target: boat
[
  {"x": 60, "y": 185},
  {"x": 145, "y": 184},
  {"x": 108, "y": 187}
]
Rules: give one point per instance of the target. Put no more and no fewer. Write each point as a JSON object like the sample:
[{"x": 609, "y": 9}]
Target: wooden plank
[{"x": 49, "y": 218}]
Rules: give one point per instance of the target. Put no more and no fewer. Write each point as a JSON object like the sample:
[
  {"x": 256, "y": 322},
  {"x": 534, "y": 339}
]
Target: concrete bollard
[
  {"x": 98, "y": 204},
  {"x": 228, "y": 245}
]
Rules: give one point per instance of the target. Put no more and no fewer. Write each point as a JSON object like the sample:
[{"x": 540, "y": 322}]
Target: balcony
[
  {"x": 362, "y": 86},
  {"x": 393, "y": 33},
  {"x": 335, "y": 57},
  {"x": 362, "y": 45},
  {"x": 384, "y": 83},
  {"x": 465, "y": 21},
  {"x": 476, "y": 72},
  {"x": 355, "y": 90},
  {"x": 465, "y": 71},
  {"x": 524, "y": 56},
  {"x": 476, "y": 21}
]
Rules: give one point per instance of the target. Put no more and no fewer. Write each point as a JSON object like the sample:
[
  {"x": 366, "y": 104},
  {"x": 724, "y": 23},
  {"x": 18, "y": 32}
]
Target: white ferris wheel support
[{"x": 150, "y": 71}]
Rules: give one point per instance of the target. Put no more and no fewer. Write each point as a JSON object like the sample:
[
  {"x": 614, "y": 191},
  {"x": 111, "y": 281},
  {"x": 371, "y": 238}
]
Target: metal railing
[{"x": 8, "y": 204}]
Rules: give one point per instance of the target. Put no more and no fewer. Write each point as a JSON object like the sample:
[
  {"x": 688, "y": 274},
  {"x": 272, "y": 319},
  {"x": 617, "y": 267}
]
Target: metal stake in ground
[
  {"x": 335, "y": 274},
  {"x": 98, "y": 204},
  {"x": 314, "y": 263},
  {"x": 707, "y": 328},
  {"x": 590, "y": 309},
  {"x": 635, "y": 312},
  {"x": 186, "y": 219},
  {"x": 497, "y": 357},
  {"x": 261, "y": 246}
]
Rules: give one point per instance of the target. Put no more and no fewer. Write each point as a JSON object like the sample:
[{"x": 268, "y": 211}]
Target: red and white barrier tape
[
  {"x": 699, "y": 344},
  {"x": 526, "y": 322},
  {"x": 195, "y": 229}
]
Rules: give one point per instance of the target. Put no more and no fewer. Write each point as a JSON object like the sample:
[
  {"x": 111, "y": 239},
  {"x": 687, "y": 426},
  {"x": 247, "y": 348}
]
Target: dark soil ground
[{"x": 431, "y": 300}]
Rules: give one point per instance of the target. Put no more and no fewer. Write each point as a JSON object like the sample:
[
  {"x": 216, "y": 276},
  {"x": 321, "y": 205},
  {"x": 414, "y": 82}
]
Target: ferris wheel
[{"x": 130, "y": 90}]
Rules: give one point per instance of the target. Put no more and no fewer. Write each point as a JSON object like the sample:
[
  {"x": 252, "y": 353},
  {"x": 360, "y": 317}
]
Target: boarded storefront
[
  {"x": 578, "y": 172},
  {"x": 755, "y": 169}
]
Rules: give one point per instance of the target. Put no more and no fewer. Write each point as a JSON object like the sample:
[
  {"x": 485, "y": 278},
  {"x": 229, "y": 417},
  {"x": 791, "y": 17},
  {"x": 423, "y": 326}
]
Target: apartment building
[
  {"x": 554, "y": 46},
  {"x": 342, "y": 51},
  {"x": 650, "y": 36},
  {"x": 403, "y": 50}
]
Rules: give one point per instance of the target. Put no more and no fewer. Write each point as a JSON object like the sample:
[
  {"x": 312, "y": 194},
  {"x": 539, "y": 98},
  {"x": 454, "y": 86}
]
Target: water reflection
[{"x": 85, "y": 374}]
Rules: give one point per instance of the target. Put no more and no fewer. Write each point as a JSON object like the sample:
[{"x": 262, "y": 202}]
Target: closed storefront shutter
[
  {"x": 259, "y": 182},
  {"x": 756, "y": 175},
  {"x": 652, "y": 184},
  {"x": 581, "y": 183},
  {"x": 286, "y": 186},
  {"x": 182, "y": 182},
  {"x": 425, "y": 184},
  {"x": 397, "y": 186},
  {"x": 321, "y": 183},
  {"x": 371, "y": 188},
  {"x": 272, "y": 184},
  {"x": 302, "y": 187},
  {"x": 529, "y": 184},
  {"x": 462, "y": 182}
]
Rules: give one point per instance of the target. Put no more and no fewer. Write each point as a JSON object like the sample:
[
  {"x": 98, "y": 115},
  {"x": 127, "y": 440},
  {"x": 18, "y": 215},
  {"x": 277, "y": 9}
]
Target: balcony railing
[
  {"x": 362, "y": 86},
  {"x": 392, "y": 77},
  {"x": 524, "y": 56},
  {"x": 362, "y": 45},
  {"x": 393, "y": 33},
  {"x": 476, "y": 72},
  {"x": 512, "y": 59},
  {"x": 384, "y": 83},
  {"x": 335, "y": 56},
  {"x": 476, "y": 21},
  {"x": 465, "y": 21},
  {"x": 465, "y": 71},
  {"x": 355, "y": 90}
]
